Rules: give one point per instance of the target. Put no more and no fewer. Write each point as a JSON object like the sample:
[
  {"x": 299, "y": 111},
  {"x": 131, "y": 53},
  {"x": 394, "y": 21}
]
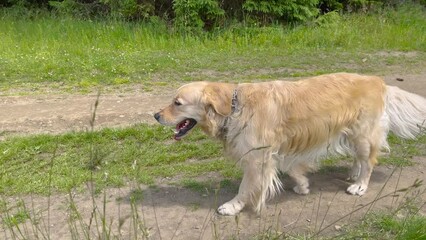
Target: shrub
[
  {"x": 194, "y": 15},
  {"x": 199, "y": 15},
  {"x": 282, "y": 10}
]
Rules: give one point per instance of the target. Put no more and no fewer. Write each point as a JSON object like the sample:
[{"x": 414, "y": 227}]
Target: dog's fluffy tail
[{"x": 406, "y": 113}]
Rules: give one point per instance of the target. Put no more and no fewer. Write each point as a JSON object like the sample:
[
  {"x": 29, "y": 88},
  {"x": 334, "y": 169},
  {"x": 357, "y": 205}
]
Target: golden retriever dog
[{"x": 286, "y": 126}]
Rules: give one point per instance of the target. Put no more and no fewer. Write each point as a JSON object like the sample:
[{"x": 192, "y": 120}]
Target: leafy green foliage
[
  {"x": 198, "y": 15},
  {"x": 131, "y": 9},
  {"x": 287, "y": 10},
  {"x": 193, "y": 15},
  {"x": 118, "y": 9}
]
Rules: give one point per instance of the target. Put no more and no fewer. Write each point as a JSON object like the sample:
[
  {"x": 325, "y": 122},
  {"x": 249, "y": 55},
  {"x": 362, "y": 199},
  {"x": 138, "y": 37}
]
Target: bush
[
  {"x": 130, "y": 9},
  {"x": 194, "y": 15},
  {"x": 282, "y": 10},
  {"x": 199, "y": 15}
]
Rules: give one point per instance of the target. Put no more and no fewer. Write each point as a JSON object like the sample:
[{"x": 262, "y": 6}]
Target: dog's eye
[{"x": 177, "y": 103}]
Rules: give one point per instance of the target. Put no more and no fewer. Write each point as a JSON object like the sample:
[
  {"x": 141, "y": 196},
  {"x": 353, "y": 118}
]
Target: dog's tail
[{"x": 406, "y": 113}]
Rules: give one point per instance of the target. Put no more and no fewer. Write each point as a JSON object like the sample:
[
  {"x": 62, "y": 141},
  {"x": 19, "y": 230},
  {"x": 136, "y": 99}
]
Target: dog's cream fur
[{"x": 289, "y": 126}]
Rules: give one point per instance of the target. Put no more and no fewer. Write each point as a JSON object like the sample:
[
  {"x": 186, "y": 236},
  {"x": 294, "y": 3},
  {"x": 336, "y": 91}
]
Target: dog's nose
[{"x": 157, "y": 116}]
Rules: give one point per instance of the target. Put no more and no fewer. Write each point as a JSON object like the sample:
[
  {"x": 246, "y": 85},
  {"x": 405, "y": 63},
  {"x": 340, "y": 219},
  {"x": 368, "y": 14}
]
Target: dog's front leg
[
  {"x": 259, "y": 182},
  {"x": 234, "y": 206}
]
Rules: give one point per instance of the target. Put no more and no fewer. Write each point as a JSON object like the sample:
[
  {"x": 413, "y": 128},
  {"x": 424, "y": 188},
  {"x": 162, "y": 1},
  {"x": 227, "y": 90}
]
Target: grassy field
[
  {"x": 74, "y": 55},
  {"x": 109, "y": 157},
  {"x": 112, "y": 157}
]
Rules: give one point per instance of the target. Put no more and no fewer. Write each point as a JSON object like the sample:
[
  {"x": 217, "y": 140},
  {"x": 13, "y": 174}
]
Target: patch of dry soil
[
  {"x": 171, "y": 212},
  {"x": 62, "y": 113}
]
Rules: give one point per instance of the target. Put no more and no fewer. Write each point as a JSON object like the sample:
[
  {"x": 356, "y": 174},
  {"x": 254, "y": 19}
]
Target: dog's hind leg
[
  {"x": 260, "y": 181},
  {"x": 297, "y": 173},
  {"x": 366, "y": 150}
]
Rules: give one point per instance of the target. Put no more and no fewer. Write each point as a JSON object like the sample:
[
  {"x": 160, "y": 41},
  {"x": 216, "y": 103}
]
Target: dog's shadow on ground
[{"x": 328, "y": 180}]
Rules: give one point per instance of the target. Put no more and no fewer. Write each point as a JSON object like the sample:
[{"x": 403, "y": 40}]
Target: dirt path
[
  {"x": 168, "y": 212},
  {"x": 62, "y": 113}
]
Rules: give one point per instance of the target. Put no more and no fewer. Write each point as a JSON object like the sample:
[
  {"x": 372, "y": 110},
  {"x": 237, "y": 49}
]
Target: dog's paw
[
  {"x": 230, "y": 208},
  {"x": 357, "y": 189},
  {"x": 302, "y": 190}
]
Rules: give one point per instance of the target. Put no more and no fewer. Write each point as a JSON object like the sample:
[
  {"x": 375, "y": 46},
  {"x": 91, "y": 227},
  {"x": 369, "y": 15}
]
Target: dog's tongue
[{"x": 177, "y": 138}]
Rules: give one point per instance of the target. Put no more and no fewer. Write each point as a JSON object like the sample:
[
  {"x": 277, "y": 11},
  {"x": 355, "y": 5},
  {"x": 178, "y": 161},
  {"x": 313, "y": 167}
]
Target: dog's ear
[{"x": 219, "y": 97}]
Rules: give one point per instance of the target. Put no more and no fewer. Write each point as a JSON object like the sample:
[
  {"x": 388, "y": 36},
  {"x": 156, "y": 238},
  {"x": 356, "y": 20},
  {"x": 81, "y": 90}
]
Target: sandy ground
[{"x": 171, "y": 212}]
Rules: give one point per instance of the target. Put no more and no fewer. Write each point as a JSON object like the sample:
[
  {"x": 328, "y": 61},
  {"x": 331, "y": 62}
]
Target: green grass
[
  {"x": 16, "y": 219},
  {"x": 14, "y": 215},
  {"x": 110, "y": 157},
  {"x": 403, "y": 150},
  {"x": 70, "y": 55},
  {"x": 413, "y": 227},
  {"x": 38, "y": 164},
  {"x": 385, "y": 225}
]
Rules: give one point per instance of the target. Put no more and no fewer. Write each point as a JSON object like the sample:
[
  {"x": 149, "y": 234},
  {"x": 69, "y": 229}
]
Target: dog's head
[{"x": 200, "y": 103}]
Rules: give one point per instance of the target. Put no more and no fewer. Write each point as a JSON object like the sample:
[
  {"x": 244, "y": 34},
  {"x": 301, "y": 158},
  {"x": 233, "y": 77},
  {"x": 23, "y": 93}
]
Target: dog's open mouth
[{"x": 183, "y": 128}]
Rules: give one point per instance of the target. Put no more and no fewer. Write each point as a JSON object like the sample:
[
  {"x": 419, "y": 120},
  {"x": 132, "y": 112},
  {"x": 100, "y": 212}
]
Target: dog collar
[
  {"x": 234, "y": 101},
  {"x": 234, "y": 104}
]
